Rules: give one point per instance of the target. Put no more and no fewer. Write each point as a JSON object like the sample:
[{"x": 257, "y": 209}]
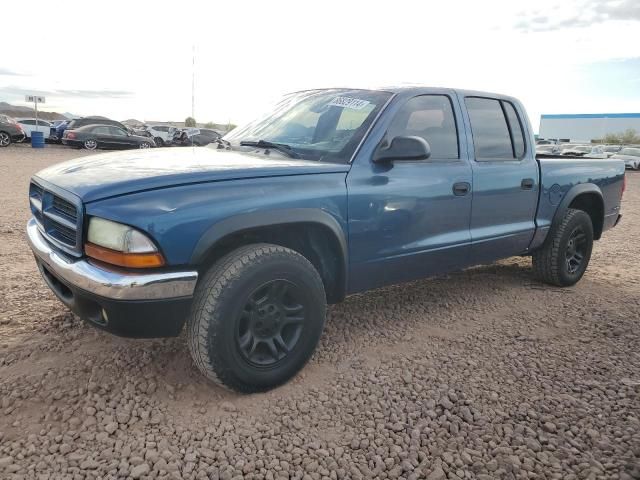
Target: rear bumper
[{"x": 124, "y": 303}]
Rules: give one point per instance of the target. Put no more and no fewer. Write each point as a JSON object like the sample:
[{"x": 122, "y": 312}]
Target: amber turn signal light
[{"x": 121, "y": 259}]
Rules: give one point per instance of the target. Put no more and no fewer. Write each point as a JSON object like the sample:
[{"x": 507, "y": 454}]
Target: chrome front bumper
[{"x": 111, "y": 284}]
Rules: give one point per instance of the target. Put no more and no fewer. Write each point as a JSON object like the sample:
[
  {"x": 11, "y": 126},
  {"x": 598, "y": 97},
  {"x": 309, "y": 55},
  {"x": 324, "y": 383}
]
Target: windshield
[
  {"x": 325, "y": 125},
  {"x": 634, "y": 152}
]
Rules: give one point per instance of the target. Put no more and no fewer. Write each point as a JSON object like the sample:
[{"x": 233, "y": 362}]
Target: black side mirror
[{"x": 402, "y": 148}]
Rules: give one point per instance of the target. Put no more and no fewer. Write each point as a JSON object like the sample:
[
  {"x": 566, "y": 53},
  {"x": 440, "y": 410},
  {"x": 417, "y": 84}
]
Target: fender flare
[
  {"x": 247, "y": 221},
  {"x": 571, "y": 195}
]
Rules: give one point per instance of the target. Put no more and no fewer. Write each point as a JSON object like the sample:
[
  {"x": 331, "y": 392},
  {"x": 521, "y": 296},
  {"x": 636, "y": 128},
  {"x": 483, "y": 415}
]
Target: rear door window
[
  {"x": 496, "y": 128},
  {"x": 491, "y": 139}
]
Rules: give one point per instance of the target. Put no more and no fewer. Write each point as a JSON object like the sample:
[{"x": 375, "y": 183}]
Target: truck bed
[{"x": 560, "y": 173}]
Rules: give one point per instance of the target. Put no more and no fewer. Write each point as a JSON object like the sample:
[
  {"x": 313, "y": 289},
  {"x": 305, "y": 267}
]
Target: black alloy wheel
[
  {"x": 270, "y": 323},
  {"x": 576, "y": 250}
]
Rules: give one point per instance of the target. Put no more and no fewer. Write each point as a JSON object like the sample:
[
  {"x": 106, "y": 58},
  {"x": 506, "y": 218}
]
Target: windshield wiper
[{"x": 281, "y": 147}]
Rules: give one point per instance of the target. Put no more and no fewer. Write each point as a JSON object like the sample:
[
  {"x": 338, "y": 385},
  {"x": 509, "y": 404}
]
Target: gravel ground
[{"x": 481, "y": 374}]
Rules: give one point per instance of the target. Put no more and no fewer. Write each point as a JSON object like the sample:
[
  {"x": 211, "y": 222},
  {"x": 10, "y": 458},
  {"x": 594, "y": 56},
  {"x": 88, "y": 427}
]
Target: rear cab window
[{"x": 496, "y": 129}]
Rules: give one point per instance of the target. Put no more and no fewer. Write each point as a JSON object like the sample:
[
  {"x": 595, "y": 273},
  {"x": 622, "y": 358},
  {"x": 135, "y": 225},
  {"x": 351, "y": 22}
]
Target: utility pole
[{"x": 193, "y": 86}]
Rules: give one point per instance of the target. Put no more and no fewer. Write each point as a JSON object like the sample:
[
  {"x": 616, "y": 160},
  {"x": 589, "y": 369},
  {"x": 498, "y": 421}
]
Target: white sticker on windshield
[{"x": 348, "y": 102}]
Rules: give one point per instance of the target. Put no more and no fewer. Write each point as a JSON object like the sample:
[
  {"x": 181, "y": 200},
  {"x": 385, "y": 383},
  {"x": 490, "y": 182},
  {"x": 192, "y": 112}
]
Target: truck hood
[{"x": 112, "y": 174}]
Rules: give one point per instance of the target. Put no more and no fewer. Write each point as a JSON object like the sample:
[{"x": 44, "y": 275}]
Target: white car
[
  {"x": 631, "y": 157},
  {"x": 586, "y": 151},
  {"x": 29, "y": 125},
  {"x": 548, "y": 149},
  {"x": 162, "y": 134}
]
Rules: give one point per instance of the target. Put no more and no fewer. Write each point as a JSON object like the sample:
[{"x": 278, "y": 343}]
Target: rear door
[{"x": 505, "y": 180}]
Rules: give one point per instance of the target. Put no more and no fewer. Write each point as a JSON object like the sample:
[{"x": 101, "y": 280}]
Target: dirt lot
[{"x": 481, "y": 374}]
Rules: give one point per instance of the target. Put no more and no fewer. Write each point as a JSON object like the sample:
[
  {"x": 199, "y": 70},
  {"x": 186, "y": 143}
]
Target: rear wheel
[
  {"x": 159, "y": 142},
  {"x": 565, "y": 255},
  {"x": 90, "y": 144},
  {"x": 257, "y": 317},
  {"x": 5, "y": 139},
  {"x": 145, "y": 145}
]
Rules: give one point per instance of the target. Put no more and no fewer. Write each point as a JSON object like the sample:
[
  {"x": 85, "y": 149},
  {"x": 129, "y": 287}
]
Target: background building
[{"x": 587, "y": 126}]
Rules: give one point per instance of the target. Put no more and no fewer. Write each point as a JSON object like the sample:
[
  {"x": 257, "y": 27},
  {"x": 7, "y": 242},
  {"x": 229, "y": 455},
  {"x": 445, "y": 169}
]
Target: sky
[{"x": 135, "y": 59}]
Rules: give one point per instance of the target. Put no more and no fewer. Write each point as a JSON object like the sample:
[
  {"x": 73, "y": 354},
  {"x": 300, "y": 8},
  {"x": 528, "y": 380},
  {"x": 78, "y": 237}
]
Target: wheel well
[
  {"x": 591, "y": 203},
  {"x": 315, "y": 242}
]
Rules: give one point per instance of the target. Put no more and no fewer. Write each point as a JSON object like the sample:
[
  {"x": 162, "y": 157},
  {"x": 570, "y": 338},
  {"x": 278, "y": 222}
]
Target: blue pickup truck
[{"x": 337, "y": 191}]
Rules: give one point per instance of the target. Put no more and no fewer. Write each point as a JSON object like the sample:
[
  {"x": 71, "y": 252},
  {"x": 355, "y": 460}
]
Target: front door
[
  {"x": 505, "y": 181},
  {"x": 410, "y": 219},
  {"x": 119, "y": 138}
]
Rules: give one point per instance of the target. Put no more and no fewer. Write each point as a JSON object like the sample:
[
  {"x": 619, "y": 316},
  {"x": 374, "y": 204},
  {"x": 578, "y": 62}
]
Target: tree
[
  {"x": 210, "y": 125},
  {"x": 629, "y": 136},
  {"x": 610, "y": 138},
  {"x": 189, "y": 122}
]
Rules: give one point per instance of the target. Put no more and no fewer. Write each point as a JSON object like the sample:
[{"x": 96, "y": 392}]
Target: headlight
[{"x": 121, "y": 245}]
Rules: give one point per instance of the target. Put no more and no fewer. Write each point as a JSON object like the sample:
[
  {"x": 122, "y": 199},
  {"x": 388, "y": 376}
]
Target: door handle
[
  {"x": 460, "y": 189},
  {"x": 527, "y": 184}
]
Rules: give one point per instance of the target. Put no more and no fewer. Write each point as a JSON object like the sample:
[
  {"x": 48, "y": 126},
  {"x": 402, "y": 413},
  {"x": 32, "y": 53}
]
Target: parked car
[
  {"x": 548, "y": 149},
  {"x": 162, "y": 134},
  {"x": 196, "y": 136},
  {"x": 81, "y": 122},
  {"x": 611, "y": 150},
  {"x": 10, "y": 131},
  {"x": 631, "y": 157},
  {"x": 59, "y": 131},
  {"x": 140, "y": 132},
  {"x": 586, "y": 151},
  {"x": 31, "y": 125},
  {"x": 337, "y": 192},
  {"x": 104, "y": 136}
]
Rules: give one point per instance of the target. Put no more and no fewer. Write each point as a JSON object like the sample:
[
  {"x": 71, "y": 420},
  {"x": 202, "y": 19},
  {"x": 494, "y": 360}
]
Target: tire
[
  {"x": 159, "y": 142},
  {"x": 144, "y": 145},
  {"x": 5, "y": 139},
  {"x": 90, "y": 144},
  {"x": 556, "y": 263},
  {"x": 227, "y": 338}
]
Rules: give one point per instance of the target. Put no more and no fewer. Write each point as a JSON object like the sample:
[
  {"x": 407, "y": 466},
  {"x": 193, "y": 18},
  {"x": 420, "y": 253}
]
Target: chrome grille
[{"x": 59, "y": 218}]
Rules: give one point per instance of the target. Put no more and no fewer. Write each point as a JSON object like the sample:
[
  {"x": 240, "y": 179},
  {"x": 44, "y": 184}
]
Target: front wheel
[
  {"x": 257, "y": 317},
  {"x": 145, "y": 145},
  {"x": 159, "y": 142},
  {"x": 565, "y": 255}
]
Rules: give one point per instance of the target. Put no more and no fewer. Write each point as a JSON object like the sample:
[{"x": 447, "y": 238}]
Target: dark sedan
[
  {"x": 104, "y": 136},
  {"x": 10, "y": 131}
]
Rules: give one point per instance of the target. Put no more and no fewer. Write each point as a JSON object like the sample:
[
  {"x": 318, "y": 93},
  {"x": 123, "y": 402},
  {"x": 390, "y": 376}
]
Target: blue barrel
[{"x": 37, "y": 139}]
